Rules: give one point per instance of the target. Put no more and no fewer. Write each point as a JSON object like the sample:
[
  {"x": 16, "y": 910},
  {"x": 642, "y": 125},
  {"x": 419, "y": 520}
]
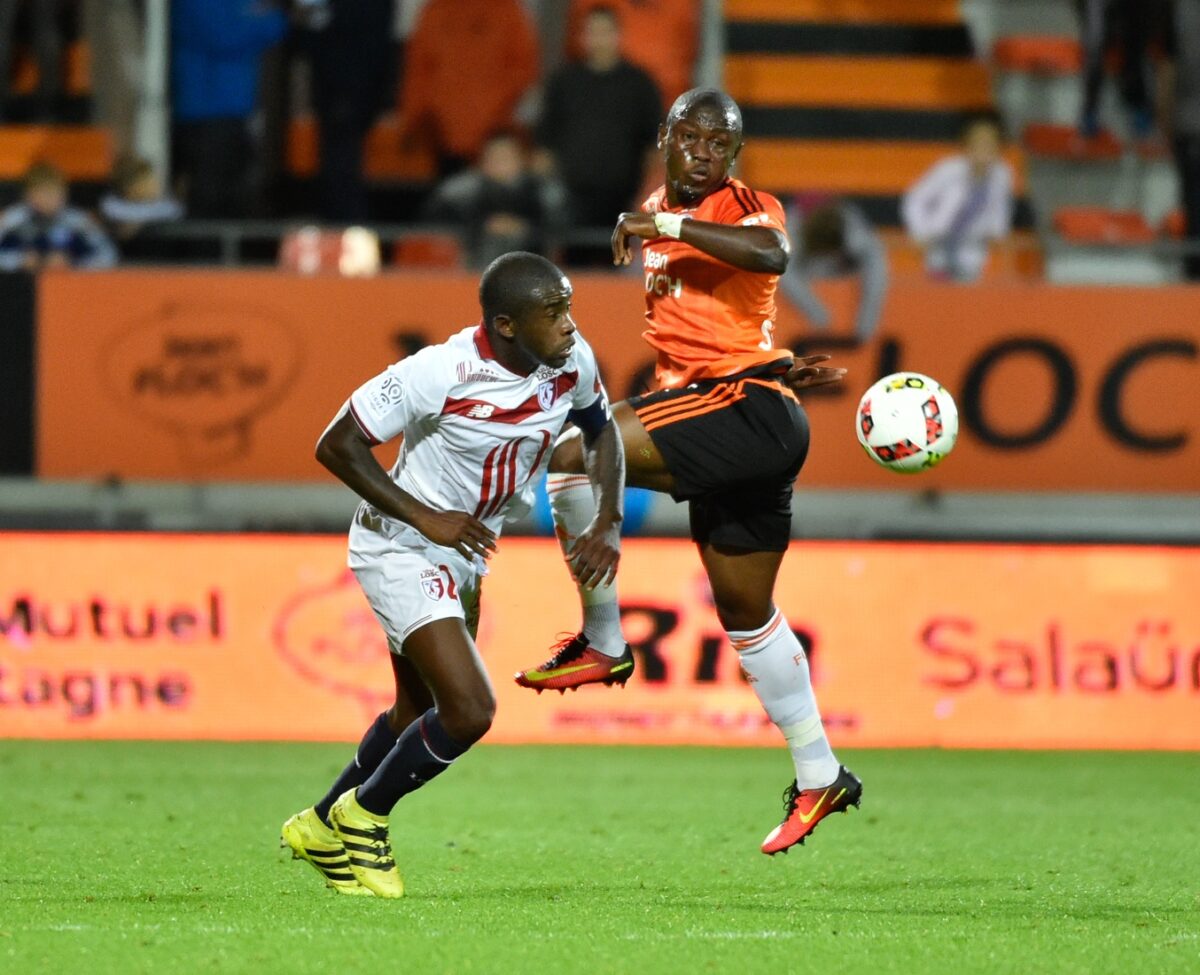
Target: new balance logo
[{"x": 481, "y": 411}]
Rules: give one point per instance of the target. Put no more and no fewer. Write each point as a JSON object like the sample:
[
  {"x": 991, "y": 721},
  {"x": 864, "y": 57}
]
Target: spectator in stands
[
  {"x": 1179, "y": 114},
  {"x": 216, "y": 50},
  {"x": 47, "y": 49},
  {"x": 136, "y": 201},
  {"x": 598, "y": 128},
  {"x": 660, "y": 36},
  {"x": 467, "y": 64},
  {"x": 1130, "y": 26},
  {"x": 835, "y": 239},
  {"x": 500, "y": 203},
  {"x": 353, "y": 58},
  {"x": 962, "y": 203},
  {"x": 42, "y": 231}
]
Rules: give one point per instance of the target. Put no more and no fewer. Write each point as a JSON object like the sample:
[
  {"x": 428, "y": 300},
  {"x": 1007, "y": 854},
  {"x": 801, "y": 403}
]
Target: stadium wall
[
  {"x": 229, "y": 375},
  {"x": 268, "y": 637}
]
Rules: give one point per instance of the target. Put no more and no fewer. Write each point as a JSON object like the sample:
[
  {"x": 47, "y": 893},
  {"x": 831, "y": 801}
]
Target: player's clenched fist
[
  {"x": 631, "y": 225},
  {"x": 595, "y": 554},
  {"x": 457, "y": 530}
]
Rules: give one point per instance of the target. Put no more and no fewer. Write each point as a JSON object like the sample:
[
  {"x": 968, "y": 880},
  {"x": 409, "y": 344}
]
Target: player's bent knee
[
  {"x": 740, "y": 613},
  {"x": 567, "y": 456},
  {"x": 468, "y": 720}
]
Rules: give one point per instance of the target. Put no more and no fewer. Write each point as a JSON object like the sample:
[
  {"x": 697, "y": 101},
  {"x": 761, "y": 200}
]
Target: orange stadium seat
[
  {"x": 428, "y": 251},
  {"x": 846, "y": 166},
  {"x": 387, "y": 158},
  {"x": 1064, "y": 142},
  {"x": 906, "y": 82},
  {"x": 854, "y": 11},
  {"x": 1174, "y": 225},
  {"x": 1019, "y": 258},
  {"x": 1099, "y": 225},
  {"x": 1035, "y": 54},
  {"x": 82, "y": 152},
  {"x": 77, "y": 68}
]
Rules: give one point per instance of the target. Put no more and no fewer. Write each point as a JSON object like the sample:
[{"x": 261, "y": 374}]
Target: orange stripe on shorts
[{"x": 732, "y": 395}]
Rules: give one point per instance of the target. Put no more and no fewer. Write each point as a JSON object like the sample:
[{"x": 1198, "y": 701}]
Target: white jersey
[{"x": 476, "y": 437}]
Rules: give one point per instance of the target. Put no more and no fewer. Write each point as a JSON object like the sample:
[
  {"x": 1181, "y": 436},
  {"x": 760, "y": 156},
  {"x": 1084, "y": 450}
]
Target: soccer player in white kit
[{"x": 479, "y": 415}]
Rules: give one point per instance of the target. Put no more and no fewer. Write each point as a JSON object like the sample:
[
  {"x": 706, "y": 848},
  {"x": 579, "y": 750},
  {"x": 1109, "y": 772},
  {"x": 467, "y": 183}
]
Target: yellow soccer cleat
[
  {"x": 365, "y": 837},
  {"x": 314, "y": 842}
]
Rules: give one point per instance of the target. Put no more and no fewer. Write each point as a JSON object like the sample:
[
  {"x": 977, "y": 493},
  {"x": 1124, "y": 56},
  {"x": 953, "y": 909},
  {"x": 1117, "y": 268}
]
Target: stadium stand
[
  {"x": 1097, "y": 199},
  {"x": 859, "y": 99}
]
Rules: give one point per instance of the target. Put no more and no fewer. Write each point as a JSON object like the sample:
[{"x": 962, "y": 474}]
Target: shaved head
[
  {"x": 517, "y": 282},
  {"x": 712, "y": 99}
]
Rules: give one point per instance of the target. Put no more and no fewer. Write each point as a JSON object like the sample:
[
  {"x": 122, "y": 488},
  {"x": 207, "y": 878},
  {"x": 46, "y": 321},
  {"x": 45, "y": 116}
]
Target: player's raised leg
[
  {"x": 308, "y": 833},
  {"x": 464, "y": 704},
  {"x": 598, "y": 653},
  {"x": 777, "y": 668}
]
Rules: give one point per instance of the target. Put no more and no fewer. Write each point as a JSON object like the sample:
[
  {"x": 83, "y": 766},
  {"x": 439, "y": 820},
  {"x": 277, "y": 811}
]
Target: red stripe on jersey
[
  {"x": 485, "y": 489},
  {"x": 540, "y": 454},
  {"x": 362, "y": 426},
  {"x": 481, "y": 409},
  {"x": 508, "y": 478}
]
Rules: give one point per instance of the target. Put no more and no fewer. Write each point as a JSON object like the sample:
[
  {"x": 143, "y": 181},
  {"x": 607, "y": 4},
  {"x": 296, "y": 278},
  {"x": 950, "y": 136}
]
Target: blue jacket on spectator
[
  {"x": 69, "y": 232},
  {"x": 215, "y": 51}
]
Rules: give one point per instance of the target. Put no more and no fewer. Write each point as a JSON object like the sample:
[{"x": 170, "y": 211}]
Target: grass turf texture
[{"x": 135, "y": 857}]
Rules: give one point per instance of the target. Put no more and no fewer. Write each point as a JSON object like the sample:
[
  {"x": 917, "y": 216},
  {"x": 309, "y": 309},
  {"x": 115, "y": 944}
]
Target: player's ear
[
  {"x": 503, "y": 325},
  {"x": 662, "y": 137}
]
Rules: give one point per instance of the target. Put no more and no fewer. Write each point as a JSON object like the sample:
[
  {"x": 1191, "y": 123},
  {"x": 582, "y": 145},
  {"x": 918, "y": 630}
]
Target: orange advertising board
[
  {"x": 229, "y": 375},
  {"x": 267, "y": 637}
]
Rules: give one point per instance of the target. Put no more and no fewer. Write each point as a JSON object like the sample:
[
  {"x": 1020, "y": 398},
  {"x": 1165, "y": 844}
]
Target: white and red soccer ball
[{"x": 907, "y": 422}]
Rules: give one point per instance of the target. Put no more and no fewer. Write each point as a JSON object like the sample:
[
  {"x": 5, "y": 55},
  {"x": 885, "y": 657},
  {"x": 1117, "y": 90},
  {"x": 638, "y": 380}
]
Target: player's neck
[
  {"x": 506, "y": 353},
  {"x": 674, "y": 199}
]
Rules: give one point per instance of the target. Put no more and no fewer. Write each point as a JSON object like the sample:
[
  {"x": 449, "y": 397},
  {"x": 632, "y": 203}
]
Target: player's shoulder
[
  {"x": 739, "y": 201},
  {"x": 436, "y": 368}
]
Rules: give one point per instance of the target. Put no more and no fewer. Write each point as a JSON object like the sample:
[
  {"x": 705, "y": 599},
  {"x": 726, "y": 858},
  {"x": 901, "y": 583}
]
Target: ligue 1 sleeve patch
[{"x": 387, "y": 395}]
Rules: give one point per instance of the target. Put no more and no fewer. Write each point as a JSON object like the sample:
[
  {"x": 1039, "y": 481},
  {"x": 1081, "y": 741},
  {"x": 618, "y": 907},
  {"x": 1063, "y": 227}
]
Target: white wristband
[{"x": 669, "y": 224}]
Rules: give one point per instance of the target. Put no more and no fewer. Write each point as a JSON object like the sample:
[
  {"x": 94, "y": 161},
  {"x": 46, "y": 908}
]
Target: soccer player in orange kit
[{"x": 725, "y": 432}]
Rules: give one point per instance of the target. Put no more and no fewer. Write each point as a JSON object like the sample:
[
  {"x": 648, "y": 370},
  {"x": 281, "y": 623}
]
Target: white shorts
[{"x": 408, "y": 580}]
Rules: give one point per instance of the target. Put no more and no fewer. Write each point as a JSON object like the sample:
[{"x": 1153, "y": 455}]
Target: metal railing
[{"x": 232, "y": 236}]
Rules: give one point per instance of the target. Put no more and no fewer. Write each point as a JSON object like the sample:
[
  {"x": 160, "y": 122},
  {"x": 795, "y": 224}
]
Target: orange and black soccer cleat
[
  {"x": 804, "y": 808},
  {"x": 574, "y": 664}
]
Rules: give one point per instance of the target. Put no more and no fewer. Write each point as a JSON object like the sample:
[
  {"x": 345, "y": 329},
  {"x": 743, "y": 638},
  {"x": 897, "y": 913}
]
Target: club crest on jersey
[
  {"x": 547, "y": 393},
  {"x": 438, "y": 583}
]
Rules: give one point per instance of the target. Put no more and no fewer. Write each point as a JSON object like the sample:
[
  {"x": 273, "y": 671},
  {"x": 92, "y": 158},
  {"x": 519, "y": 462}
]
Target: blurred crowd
[{"x": 521, "y": 123}]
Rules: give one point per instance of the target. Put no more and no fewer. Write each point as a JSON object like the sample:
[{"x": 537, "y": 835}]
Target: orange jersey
[{"x": 707, "y": 318}]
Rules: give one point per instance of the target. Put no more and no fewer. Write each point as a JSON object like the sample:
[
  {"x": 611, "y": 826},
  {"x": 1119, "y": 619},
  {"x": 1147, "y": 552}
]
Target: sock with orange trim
[
  {"x": 777, "y": 668},
  {"x": 573, "y": 506}
]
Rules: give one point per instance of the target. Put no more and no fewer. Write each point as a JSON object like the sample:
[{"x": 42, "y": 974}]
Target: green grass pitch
[{"x": 133, "y": 857}]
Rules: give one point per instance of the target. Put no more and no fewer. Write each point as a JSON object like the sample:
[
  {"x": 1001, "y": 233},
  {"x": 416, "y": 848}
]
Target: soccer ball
[{"x": 907, "y": 422}]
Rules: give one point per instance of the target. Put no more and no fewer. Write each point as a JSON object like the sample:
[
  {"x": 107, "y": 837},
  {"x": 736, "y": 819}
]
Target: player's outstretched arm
[
  {"x": 345, "y": 450},
  {"x": 760, "y": 249},
  {"x": 594, "y": 557}
]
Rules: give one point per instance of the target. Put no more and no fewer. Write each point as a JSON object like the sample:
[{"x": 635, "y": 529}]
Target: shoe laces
[
  {"x": 569, "y": 648},
  {"x": 791, "y": 796}
]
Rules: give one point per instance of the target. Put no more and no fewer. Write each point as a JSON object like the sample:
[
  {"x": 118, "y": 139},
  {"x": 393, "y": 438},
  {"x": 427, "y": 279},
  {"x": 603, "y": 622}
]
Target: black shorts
[{"x": 734, "y": 447}]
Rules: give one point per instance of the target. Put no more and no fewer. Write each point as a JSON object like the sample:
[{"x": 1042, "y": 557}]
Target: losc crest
[{"x": 203, "y": 372}]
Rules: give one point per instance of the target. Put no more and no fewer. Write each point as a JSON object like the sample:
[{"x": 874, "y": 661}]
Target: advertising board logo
[
  {"x": 330, "y": 637},
  {"x": 205, "y": 372}
]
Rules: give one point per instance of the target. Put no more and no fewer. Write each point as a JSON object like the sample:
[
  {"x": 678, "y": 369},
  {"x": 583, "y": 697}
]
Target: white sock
[
  {"x": 775, "y": 662},
  {"x": 573, "y": 506}
]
